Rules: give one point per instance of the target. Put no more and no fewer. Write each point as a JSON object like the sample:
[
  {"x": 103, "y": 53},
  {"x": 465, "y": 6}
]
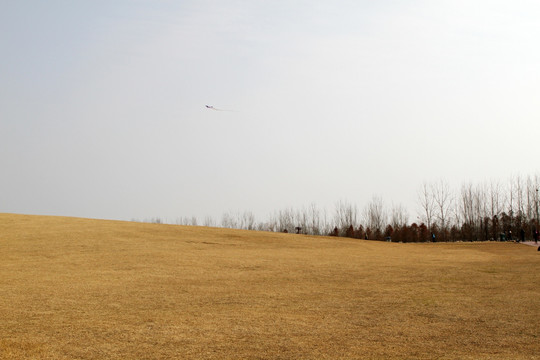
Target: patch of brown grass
[{"x": 93, "y": 289}]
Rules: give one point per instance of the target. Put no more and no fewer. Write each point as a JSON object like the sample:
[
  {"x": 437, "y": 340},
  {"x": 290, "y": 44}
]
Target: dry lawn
[{"x": 92, "y": 289}]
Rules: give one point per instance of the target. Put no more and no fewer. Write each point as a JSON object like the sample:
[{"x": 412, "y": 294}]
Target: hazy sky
[{"x": 102, "y": 103}]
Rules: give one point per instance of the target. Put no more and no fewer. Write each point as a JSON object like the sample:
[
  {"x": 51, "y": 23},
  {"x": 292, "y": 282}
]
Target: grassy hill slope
[{"x": 94, "y": 289}]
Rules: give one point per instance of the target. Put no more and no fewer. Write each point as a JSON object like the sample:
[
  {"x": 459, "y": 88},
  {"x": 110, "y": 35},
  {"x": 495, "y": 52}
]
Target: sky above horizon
[{"x": 102, "y": 103}]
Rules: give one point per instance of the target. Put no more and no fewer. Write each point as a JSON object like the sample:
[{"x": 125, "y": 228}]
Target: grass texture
[{"x": 75, "y": 288}]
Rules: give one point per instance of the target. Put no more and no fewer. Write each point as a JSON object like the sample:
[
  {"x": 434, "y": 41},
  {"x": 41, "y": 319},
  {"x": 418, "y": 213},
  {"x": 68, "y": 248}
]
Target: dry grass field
[{"x": 91, "y": 289}]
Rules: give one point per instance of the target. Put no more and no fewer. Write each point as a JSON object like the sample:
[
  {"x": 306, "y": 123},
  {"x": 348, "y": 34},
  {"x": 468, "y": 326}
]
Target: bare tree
[
  {"x": 245, "y": 220},
  {"x": 427, "y": 204},
  {"x": 511, "y": 201},
  {"x": 442, "y": 199},
  {"x": 286, "y": 220},
  {"x": 228, "y": 220},
  {"x": 537, "y": 200},
  {"x": 466, "y": 210},
  {"x": 312, "y": 221},
  {"x": 533, "y": 183},
  {"x": 399, "y": 216},
  {"x": 481, "y": 212},
  {"x": 209, "y": 221},
  {"x": 326, "y": 225},
  {"x": 496, "y": 206},
  {"x": 534, "y": 190},
  {"x": 520, "y": 200},
  {"x": 248, "y": 221},
  {"x": 346, "y": 215},
  {"x": 301, "y": 220},
  {"x": 374, "y": 215},
  {"x": 272, "y": 224},
  {"x": 192, "y": 221}
]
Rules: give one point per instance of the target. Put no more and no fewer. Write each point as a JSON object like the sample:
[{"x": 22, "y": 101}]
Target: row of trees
[
  {"x": 482, "y": 211},
  {"x": 472, "y": 212}
]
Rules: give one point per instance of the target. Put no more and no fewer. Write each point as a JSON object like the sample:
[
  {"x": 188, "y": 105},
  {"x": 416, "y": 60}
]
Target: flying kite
[{"x": 215, "y": 109}]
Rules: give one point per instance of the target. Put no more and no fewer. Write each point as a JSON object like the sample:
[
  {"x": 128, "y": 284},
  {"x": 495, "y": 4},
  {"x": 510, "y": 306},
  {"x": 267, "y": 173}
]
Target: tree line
[{"x": 473, "y": 212}]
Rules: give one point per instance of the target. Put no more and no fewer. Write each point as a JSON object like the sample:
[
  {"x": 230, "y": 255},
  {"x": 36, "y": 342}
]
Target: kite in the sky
[{"x": 216, "y": 109}]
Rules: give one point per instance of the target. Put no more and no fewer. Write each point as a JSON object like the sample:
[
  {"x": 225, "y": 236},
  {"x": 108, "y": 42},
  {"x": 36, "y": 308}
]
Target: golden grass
[{"x": 92, "y": 289}]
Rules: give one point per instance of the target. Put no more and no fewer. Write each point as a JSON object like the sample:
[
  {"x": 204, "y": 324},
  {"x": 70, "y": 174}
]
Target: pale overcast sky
[{"x": 102, "y": 103}]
